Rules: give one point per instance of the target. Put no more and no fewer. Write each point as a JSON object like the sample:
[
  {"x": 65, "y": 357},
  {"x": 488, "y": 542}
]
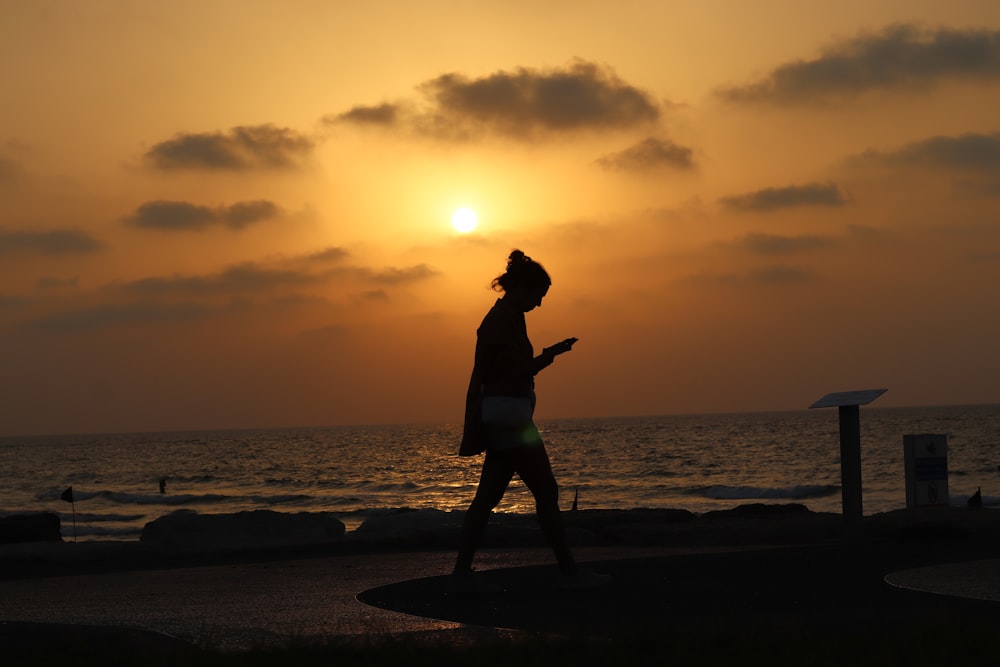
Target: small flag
[{"x": 67, "y": 495}]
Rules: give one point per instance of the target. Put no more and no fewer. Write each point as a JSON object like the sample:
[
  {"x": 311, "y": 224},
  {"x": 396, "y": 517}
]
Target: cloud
[
  {"x": 393, "y": 276},
  {"x": 110, "y": 314},
  {"x": 772, "y": 244},
  {"x": 988, "y": 188},
  {"x": 330, "y": 332},
  {"x": 331, "y": 254},
  {"x": 523, "y": 104},
  {"x": 246, "y": 277},
  {"x": 9, "y": 171},
  {"x": 648, "y": 154},
  {"x": 812, "y": 194},
  {"x": 769, "y": 275},
  {"x": 898, "y": 56},
  {"x": 52, "y": 282},
  {"x": 976, "y": 152},
  {"x": 303, "y": 281},
  {"x": 255, "y": 277},
  {"x": 11, "y": 302},
  {"x": 179, "y": 215},
  {"x": 52, "y": 242},
  {"x": 383, "y": 114},
  {"x": 375, "y": 295},
  {"x": 239, "y": 149},
  {"x": 779, "y": 275}
]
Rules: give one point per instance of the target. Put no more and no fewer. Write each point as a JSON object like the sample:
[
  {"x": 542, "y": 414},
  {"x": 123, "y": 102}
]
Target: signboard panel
[{"x": 926, "y": 461}]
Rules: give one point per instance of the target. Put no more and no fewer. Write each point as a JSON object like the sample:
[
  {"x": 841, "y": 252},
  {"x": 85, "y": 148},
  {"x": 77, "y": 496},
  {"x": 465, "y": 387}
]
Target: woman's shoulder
[{"x": 500, "y": 317}]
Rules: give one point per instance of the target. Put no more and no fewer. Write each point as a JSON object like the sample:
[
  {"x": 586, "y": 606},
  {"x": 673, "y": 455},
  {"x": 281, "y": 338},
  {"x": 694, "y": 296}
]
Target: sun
[{"x": 464, "y": 220}]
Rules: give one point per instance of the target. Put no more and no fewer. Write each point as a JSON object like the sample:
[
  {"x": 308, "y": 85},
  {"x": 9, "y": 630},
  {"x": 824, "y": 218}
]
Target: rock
[
  {"x": 425, "y": 527},
  {"x": 186, "y": 529},
  {"x": 758, "y": 511},
  {"x": 43, "y": 527}
]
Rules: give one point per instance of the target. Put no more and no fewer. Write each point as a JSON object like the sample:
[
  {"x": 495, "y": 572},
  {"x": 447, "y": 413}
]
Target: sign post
[{"x": 847, "y": 404}]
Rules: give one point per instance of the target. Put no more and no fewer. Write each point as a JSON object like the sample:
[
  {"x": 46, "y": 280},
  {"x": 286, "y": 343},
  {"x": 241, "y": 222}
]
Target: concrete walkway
[{"x": 278, "y": 601}]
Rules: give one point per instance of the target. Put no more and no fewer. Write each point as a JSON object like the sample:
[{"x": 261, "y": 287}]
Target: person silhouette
[{"x": 499, "y": 412}]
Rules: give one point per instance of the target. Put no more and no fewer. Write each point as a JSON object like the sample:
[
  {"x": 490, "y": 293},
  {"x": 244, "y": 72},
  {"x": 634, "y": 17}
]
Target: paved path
[
  {"x": 272, "y": 602},
  {"x": 975, "y": 580},
  {"x": 241, "y": 605}
]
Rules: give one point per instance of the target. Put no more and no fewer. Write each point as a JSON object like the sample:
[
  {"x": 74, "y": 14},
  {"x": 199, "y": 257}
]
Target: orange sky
[{"x": 237, "y": 213}]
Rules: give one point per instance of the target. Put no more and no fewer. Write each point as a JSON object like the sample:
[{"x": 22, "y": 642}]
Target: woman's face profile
[{"x": 531, "y": 297}]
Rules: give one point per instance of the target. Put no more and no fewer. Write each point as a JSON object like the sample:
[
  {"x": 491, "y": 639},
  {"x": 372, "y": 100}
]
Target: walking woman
[{"x": 498, "y": 418}]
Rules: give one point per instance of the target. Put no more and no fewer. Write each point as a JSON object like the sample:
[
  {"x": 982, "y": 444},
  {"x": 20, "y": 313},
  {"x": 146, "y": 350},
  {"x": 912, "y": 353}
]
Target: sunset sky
[{"x": 237, "y": 213}]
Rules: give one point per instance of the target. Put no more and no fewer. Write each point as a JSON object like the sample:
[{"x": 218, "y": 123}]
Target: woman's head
[{"x": 524, "y": 281}]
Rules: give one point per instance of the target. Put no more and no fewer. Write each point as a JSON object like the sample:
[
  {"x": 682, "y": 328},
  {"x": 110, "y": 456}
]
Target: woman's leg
[
  {"x": 533, "y": 466},
  {"x": 497, "y": 473}
]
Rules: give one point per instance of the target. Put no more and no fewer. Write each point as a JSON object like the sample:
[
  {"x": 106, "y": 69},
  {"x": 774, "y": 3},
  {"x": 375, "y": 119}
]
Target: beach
[{"x": 759, "y": 581}]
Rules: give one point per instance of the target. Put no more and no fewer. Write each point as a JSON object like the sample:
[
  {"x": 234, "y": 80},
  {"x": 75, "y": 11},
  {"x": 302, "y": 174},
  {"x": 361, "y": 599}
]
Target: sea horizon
[
  {"x": 699, "y": 462},
  {"x": 209, "y": 429}
]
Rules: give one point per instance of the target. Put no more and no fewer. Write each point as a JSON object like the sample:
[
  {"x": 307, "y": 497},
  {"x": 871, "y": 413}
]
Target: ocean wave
[
  {"x": 723, "y": 492},
  {"x": 382, "y": 486},
  {"x": 66, "y": 517},
  {"x": 124, "y": 498},
  {"x": 155, "y": 498}
]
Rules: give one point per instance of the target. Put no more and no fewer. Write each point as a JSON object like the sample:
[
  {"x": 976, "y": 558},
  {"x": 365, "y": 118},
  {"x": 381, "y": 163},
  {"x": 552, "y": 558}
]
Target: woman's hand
[{"x": 560, "y": 347}]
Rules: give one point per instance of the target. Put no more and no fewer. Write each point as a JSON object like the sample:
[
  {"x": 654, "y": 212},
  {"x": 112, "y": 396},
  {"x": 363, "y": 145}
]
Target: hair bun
[
  {"x": 516, "y": 257},
  {"x": 521, "y": 269}
]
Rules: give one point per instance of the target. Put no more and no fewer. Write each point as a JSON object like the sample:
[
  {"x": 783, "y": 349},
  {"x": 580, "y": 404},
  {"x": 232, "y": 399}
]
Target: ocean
[{"x": 694, "y": 462}]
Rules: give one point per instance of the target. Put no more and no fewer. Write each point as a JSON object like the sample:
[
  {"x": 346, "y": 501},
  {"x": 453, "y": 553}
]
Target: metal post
[
  {"x": 847, "y": 404},
  {"x": 850, "y": 465}
]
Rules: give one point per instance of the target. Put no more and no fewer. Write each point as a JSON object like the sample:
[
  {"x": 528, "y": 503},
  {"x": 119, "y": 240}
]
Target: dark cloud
[
  {"x": 987, "y": 188},
  {"x": 9, "y": 171},
  {"x": 247, "y": 277},
  {"x": 375, "y": 295},
  {"x": 768, "y": 275},
  {"x": 382, "y": 114},
  {"x": 977, "y": 152},
  {"x": 779, "y": 275},
  {"x": 179, "y": 215},
  {"x": 242, "y": 214},
  {"x": 10, "y": 302},
  {"x": 330, "y": 332},
  {"x": 302, "y": 281},
  {"x": 651, "y": 153},
  {"x": 253, "y": 277},
  {"x": 812, "y": 194},
  {"x": 331, "y": 254},
  {"x": 393, "y": 276},
  {"x": 52, "y": 282},
  {"x": 523, "y": 104},
  {"x": 898, "y": 56},
  {"x": 241, "y": 148},
  {"x": 772, "y": 244},
  {"x": 52, "y": 242},
  {"x": 111, "y": 314}
]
